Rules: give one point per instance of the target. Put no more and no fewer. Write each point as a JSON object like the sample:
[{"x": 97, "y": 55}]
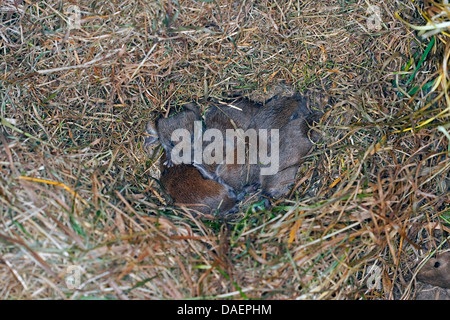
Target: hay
[{"x": 374, "y": 198}]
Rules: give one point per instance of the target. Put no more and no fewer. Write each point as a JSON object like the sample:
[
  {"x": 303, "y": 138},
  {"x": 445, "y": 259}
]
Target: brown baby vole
[
  {"x": 162, "y": 128},
  {"x": 436, "y": 271},
  {"x": 186, "y": 186}
]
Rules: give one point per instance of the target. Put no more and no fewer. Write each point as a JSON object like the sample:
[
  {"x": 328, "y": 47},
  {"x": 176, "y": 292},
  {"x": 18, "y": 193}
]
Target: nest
[{"x": 82, "y": 215}]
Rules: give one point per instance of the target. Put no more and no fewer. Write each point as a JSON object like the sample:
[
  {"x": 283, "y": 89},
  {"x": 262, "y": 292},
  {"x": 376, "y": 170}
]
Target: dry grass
[{"x": 76, "y": 186}]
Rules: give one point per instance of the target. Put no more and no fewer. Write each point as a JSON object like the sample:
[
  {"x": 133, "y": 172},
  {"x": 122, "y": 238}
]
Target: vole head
[
  {"x": 161, "y": 129},
  {"x": 436, "y": 271},
  {"x": 278, "y": 184}
]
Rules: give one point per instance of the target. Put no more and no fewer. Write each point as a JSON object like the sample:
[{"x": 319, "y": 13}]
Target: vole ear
[
  {"x": 194, "y": 108},
  {"x": 151, "y": 130}
]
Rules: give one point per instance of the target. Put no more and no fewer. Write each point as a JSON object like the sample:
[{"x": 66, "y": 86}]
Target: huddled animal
[{"x": 218, "y": 186}]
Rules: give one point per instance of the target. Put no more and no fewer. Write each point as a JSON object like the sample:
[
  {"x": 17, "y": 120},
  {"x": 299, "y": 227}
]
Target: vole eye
[
  {"x": 437, "y": 264},
  {"x": 294, "y": 116}
]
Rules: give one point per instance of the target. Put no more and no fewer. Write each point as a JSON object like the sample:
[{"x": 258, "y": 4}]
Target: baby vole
[
  {"x": 292, "y": 117},
  {"x": 436, "y": 271},
  {"x": 296, "y": 141},
  {"x": 161, "y": 129},
  {"x": 186, "y": 186}
]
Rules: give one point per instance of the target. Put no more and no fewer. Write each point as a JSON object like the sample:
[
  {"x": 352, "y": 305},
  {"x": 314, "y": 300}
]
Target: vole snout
[{"x": 150, "y": 128}]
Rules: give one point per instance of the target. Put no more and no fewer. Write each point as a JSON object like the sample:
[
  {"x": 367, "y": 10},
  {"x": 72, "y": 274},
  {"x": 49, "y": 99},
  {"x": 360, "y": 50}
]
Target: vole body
[
  {"x": 234, "y": 114},
  {"x": 186, "y": 186},
  {"x": 217, "y": 187},
  {"x": 296, "y": 141},
  {"x": 242, "y": 178},
  {"x": 277, "y": 112},
  {"x": 292, "y": 117},
  {"x": 436, "y": 271},
  {"x": 231, "y": 115}
]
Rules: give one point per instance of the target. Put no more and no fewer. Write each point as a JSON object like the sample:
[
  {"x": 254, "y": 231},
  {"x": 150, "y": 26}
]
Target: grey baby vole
[
  {"x": 296, "y": 141},
  {"x": 162, "y": 128},
  {"x": 233, "y": 114},
  {"x": 292, "y": 117},
  {"x": 436, "y": 271}
]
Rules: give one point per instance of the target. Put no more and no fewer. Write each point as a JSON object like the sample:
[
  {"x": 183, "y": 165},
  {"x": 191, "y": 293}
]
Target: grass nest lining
[{"x": 77, "y": 195}]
